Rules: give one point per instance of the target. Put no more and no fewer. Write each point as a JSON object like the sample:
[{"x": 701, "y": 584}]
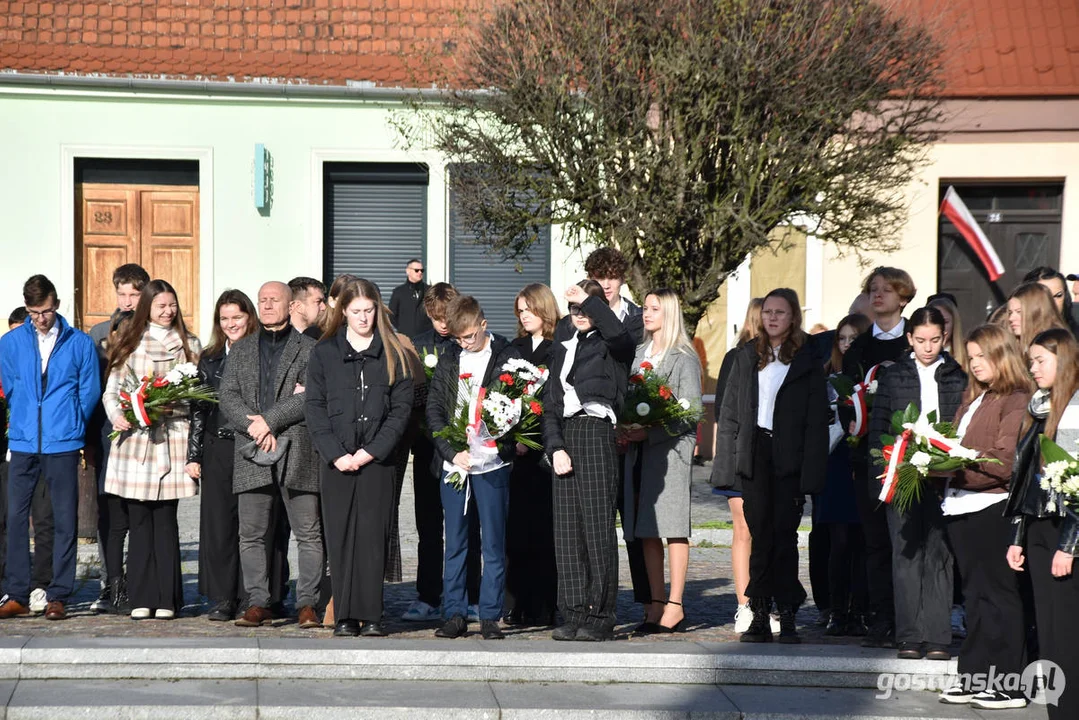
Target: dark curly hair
[{"x": 607, "y": 262}]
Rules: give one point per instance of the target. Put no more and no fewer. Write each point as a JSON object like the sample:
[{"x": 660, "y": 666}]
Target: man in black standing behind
[{"x": 406, "y": 302}]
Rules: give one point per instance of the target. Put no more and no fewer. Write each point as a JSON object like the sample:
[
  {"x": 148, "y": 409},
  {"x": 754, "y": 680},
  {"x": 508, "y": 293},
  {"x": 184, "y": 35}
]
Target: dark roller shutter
[
  {"x": 375, "y": 220},
  {"x": 493, "y": 280}
]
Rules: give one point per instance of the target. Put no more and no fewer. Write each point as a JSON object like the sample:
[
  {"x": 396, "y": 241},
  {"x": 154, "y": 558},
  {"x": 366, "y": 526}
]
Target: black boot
[
  {"x": 788, "y": 633},
  {"x": 118, "y": 592},
  {"x": 837, "y": 624},
  {"x": 760, "y": 629}
]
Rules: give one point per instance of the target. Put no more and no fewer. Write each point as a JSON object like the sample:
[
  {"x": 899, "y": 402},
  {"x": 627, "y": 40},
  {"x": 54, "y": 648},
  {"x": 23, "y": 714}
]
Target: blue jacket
[{"x": 53, "y": 421}]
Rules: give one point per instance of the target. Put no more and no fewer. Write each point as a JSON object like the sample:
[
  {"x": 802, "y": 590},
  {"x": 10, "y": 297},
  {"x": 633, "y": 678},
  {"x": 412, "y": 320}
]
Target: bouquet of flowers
[
  {"x": 650, "y": 401},
  {"x": 858, "y": 396},
  {"x": 1060, "y": 475},
  {"x": 485, "y": 415},
  {"x": 147, "y": 401},
  {"x": 914, "y": 450}
]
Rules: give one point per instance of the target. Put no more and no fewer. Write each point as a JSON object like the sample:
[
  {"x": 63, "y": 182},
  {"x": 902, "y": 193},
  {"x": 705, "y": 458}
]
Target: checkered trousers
[{"x": 586, "y": 548}]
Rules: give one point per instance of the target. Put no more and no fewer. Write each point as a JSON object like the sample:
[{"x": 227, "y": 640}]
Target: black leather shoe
[
  {"x": 589, "y": 634},
  {"x": 881, "y": 634},
  {"x": 838, "y": 624},
  {"x": 372, "y": 629},
  {"x": 566, "y": 631},
  {"x": 910, "y": 651},
  {"x": 346, "y": 628},
  {"x": 454, "y": 628},
  {"x": 515, "y": 618},
  {"x": 224, "y": 611},
  {"x": 490, "y": 630}
]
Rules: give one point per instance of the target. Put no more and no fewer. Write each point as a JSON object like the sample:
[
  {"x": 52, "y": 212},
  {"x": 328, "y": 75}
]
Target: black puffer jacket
[
  {"x": 799, "y": 423},
  {"x": 442, "y": 392},
  {"x": 205, "y": 417},
  {"x": 350, "y": 403},
  {"x": 898, "y": 386},
  {"x": 601, "y": 371}
]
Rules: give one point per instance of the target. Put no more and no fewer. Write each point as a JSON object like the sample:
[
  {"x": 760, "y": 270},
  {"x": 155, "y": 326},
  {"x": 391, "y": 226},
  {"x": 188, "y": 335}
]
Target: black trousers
[
  {"x": 878, "y": 541},
  {"x": 819, "y": 562},
  {"x": 586, "y": 547},
  {"x": 638, "y": 573},
  {"x": 996, "y": 635},
  {"x": 425, "y": 489},
  {"x": 41, "y": 515},
  {"x": 112, "y": 514},
  {"x": 846, "y": 568},
  {"x": 773, "y": 508},
  {"x": 1055, "y": 604},
  {"x": 921, "y": 572},
  {"x": 220, "y": 577},
  {"x": 356, "y": 511},
  {"x": 153, "y": 558},
  {"x": 531, "y": 574},
  {"x": 278, "y": 553}
]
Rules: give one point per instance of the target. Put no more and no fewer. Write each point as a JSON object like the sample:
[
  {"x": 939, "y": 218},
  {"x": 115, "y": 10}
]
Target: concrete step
[
  {"x": 465, "y": 660},
  {"x": 268, "y": 699}
]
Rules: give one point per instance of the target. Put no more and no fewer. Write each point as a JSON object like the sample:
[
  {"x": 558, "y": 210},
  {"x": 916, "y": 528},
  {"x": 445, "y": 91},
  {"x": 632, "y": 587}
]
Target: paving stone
[
  {"x": 537, "y": 701},
  {"x": 332, "y": 700},
  {"x": 134, "y": 700}
]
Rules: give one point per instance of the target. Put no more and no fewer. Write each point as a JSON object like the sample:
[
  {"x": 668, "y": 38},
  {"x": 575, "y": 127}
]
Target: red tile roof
[{"x": 996, "y": 47}]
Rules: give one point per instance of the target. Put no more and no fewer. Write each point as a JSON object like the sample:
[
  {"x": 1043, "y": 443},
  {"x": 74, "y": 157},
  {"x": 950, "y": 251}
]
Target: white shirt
[
  {"x": 45, "y": 344},
  {"x": 930, "y": 395},
  {"x": 476, "y": 364},
  {"x": 893, "y": 334},
  {"x": 571, "y": 404},
  {"x": 623, "y": 309},
  {"x": 964, "y": 502},
  {"x": 769, "y": 381}
]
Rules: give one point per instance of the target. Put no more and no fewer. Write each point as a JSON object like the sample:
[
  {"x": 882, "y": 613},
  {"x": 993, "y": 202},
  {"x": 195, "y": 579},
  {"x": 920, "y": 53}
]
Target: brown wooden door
[{"x": 154, "y": 226}]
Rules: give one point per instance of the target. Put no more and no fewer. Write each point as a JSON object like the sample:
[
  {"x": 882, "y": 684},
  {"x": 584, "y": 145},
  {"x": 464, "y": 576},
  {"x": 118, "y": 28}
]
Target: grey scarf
[{"x": 1039, "y": 405}]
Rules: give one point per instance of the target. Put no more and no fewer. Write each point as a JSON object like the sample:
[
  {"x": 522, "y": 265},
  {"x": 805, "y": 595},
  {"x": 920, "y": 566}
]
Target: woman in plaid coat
[{"x": 146, "y": 467}]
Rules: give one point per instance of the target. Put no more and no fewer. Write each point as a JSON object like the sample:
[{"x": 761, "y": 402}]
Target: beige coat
[{"x": 149, "y": 464}]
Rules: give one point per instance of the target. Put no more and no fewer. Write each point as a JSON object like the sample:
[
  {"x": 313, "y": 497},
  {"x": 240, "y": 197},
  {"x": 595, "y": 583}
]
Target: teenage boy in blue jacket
[{"x": 49, "y": 371}]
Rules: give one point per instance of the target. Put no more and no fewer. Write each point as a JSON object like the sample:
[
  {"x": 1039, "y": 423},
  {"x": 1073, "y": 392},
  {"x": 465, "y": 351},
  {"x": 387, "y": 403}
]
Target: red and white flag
[{"x": 956, "y": 210}]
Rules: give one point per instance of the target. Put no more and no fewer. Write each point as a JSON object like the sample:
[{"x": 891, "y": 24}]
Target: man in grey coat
[{"x": 262, "y": 397}]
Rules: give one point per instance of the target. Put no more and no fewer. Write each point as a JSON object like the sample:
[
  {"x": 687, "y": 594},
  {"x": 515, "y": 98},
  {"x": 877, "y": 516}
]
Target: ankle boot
[
  {"x": 788, "y": 632},
  {"x": 760, "y": 627},
  {"x": 837, "y": 624},
  {"x": 118, "y": 595}
]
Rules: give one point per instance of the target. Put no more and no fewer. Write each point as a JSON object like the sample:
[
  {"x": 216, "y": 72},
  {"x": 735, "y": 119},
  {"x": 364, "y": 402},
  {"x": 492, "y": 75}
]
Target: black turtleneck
[{"x": 271, "y": 344}]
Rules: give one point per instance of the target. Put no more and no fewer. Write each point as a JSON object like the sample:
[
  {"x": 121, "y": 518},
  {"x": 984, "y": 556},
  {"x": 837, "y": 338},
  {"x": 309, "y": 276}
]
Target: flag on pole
[{"x": 956, "y": 210}]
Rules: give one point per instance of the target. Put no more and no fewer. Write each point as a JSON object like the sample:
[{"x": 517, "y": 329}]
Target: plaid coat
[
  {"x": 239, "y": 394},
  {"x": 149, "y": 465}
]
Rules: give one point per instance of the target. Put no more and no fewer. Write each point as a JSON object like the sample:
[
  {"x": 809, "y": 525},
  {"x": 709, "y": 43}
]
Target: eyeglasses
[
  {"x": 416, "y": 270},
  {"x": 40, "y": 314},
  {"x": 575, "y": 309},
  {"x": 467, "y": 338}
]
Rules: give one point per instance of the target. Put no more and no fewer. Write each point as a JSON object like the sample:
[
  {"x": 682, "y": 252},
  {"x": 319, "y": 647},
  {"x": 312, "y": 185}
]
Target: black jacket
[
  {"x": 350, "y": 403},
  {"x": 205, "y": 417},
  {"x": 442, "y": 392},
  {"x": 865, "y": 352},
  {"x": 898, "y": 386},
  {"x": 799, "y": 423},
  {"x": 602, "y": 364},
  {"x": 1027, "y": 501},
  {"x": 718, "y": 478},
  {"x": 406, "y": 304},
  {"x": 540, "y": 356},
  {"x": 634, "y": 325}
]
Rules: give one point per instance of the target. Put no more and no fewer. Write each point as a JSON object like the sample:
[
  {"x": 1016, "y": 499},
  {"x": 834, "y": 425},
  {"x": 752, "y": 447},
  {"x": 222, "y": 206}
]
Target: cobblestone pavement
[{"x": 709, "y": 597}]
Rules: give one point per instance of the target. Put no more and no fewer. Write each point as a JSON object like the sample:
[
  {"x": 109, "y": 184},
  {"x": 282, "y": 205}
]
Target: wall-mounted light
[{"x": 263, "y": 177}]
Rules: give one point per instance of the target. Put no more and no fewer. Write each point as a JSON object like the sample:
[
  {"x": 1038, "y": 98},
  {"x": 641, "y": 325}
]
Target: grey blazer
[{"x": 239, "y": 397}]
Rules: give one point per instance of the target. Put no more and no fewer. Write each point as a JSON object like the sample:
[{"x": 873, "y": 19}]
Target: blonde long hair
[
  {"x": 396, "y": 356},
  {"x": 752, "y": 321},
  {"x": 672, "y": 336},
  {"x": 1004, "y": 355}
]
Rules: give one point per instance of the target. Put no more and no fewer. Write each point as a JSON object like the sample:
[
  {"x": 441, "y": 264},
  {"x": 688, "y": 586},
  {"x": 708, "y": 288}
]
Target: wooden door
[{"x": 152, "y": 225}]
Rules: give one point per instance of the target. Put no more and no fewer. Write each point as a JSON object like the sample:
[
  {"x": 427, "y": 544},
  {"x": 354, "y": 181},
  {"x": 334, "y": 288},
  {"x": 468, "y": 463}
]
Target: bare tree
[{"x": 684, "y": 131}]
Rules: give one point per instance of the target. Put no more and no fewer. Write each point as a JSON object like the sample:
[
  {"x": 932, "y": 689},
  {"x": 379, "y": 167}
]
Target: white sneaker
[
  {"x": 743, "y": 616},
  {"x": 956, "y": 695},
  {"x": 959, "y": 622},
  {"x": 163, "y": 614},
  {"x": 419, "y": 611},
  {"x": 995, "y": 700},
  {"x": 141, "y": 613},
  {"x": 38, "y": 601},
  {"x": 773, "y": 623},
  {"x": 473, "y": 613}
]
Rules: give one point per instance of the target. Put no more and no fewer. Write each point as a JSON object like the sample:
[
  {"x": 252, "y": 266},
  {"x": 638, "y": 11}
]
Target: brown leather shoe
[
  {"x": 55, "y": 611},
  {"x": 255, "y": 616},
  {"x": 13, "y": 609},
  {"x": 308, "y": 618}
]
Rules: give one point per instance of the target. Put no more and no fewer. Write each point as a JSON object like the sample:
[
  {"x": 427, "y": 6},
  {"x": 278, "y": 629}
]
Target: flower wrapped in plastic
[
  {"x": 1060, "y": 476},
  {"x": 917, "y": 448},
  {"x": 147, "y": 402},
  {"x": 650, "y": 402}
]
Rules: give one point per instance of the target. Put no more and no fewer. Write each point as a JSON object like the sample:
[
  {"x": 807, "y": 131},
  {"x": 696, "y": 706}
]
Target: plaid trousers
[{"x": 586, "y": 548}]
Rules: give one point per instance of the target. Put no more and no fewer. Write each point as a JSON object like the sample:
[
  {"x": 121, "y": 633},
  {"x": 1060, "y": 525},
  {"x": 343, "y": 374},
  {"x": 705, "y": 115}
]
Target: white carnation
[
  {"x": 430, "y": 360},
  {"x": 684, "y": 404},
  {"x": 174, "y": 377},
  {"x": 643, "y": 409},
  {"x": 921, "y": 460},
  {"x": 187, "y": 369}
]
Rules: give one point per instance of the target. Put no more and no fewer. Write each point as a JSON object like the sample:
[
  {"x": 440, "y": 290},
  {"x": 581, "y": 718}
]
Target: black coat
[
  {"x": 602, "y": 364},
  {"x": 205, "y": 417},
  {"x": 718, "y": 478},
  {"x": 406, "y": 304},
  {"x": 540, "y": 356},
  {"x": 633, "y": 323},
  {"x": 898, "y": 386},
  {"x": 350, "y": 403},
  {"x": 442, "y": 392},
  {"x": 799, "y": 423}
]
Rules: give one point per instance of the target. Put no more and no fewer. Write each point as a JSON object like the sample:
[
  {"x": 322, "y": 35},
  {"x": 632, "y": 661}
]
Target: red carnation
[
  {"x": 506, "y": 378},
  {"x": 887, "y": 452},
  {"x": 646, "y": 365},
  {"x": 535, "y": 407},
  {"x": 665, "y": 392},
  {"x": 636, "y": 379},
  {"x": 160, "y": 382},
  {"x": 465, "y": 376}
]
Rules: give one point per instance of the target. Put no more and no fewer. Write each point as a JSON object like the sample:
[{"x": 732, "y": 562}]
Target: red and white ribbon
[
  {"x": 891, "y": 475},
  {"x": 858, "y": 400},
  {"x": 138, "y": 402}
]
